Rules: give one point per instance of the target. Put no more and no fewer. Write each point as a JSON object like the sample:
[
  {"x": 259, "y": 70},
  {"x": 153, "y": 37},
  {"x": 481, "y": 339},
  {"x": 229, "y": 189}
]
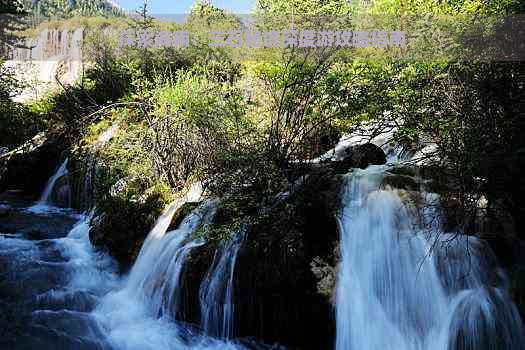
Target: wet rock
[
  {"x": 274, "y": 278},
  {"x": 120, "y": 226},
  {"x": 61, "y": 194},
  {"x": 29, "y": 167},
  {"x": 403, "y": 182},
  {"x": 197, "y": 264},
  {"x": 364, "y": 155},
  {"x": 359, "y": 156},
  {"x": 517, "y": 287}
]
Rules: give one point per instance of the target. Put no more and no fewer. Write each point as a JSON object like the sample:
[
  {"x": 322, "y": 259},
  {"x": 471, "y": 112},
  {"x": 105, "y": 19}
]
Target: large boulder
[
  {"x": 359, "y": 156},
  {"x": 121, "y": 225},
  {"x": 278, "y": 298}
]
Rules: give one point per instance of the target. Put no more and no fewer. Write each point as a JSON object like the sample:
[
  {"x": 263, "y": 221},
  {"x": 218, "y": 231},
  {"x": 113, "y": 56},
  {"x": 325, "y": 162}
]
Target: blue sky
[{"x": 183, "y": 6}]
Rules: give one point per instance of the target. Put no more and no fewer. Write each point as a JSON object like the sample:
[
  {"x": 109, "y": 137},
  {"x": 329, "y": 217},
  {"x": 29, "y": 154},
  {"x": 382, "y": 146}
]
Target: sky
[{"x": 184, "y": 6}]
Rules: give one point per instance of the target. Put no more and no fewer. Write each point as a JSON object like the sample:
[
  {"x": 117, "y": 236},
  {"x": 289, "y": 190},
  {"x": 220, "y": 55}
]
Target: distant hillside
[{"x": 69, "y": 8}]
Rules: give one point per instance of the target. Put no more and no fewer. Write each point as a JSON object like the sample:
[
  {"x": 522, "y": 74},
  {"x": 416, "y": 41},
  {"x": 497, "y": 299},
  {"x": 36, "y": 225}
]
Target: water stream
[
  {"x": 61, "y": 172},
  {"x": 216, "y": 293},
  {"x": 58, "y": 292},
  {"x": 405, "y": 284}
]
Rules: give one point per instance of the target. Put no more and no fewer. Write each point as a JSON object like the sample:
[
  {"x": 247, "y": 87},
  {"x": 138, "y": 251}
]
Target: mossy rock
[
  {"x": 407, "y": 170},
  {"x": 274, "y": 269},
  {"x": 181, "y": 214},
  {"x": 274, "y": 277},
  {"x": 403, "y": 182},
  {"x": 121, "y": 224}
]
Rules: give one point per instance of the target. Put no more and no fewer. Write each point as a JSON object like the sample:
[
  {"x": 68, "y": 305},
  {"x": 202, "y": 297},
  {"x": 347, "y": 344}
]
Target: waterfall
[
  {"x": 216, "y": 290},
  {"x": 88, "y": 189},
  {"x": 92, "y": 270},
  {"x": 157, "y": 272},
  {"x": 149, "y": 298},
  {"x": 45, "y": 198},
  {"x": 53, "y": 54},
  {"x": 402, "y": 286}
]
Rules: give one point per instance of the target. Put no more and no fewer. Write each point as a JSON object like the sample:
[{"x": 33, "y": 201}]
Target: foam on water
[{"x": 403, "y": 287}]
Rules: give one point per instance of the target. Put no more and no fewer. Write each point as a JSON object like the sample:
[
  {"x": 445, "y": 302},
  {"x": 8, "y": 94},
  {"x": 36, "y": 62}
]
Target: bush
[{"x": 194, "y": 124}]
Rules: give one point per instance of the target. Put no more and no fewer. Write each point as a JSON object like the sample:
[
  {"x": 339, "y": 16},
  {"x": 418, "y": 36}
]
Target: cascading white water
[
  {"x": 155, "y": 244},
  {"x": 217, "y": 290},
  {"x": 156, "y": 275},
  {"x": 92, "y": 270},
  {"x": 402, "y": 287},
  {"x": 61, "y": 172},
  {"x": 141, "y": 314}
]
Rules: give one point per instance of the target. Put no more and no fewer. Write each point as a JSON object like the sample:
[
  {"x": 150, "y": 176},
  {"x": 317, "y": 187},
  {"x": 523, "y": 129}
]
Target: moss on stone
[
  {"x": 403, "y": 182},
  {"x": 181, "y": 214},
  {"x": 122, "y": 223}
]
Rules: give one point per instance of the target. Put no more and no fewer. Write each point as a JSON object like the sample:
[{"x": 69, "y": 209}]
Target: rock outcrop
[
  {"x": 277, "y": 291},
  {"x": 29, "y": 167},
  {"x": 120, "y": 226},
  {"x": 359, "y": 156}
]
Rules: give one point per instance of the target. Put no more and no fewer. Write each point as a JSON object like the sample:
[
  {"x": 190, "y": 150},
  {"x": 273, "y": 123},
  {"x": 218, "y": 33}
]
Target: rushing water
[
  {"x": 61, "y": 172},
  {"x": 404, "y": 284},
  {"x": 49, "y": 285},
  {"x": 58, "y": 292},
  {"x": 148, "y": 298},
  {"x": 216, "y": 293}
]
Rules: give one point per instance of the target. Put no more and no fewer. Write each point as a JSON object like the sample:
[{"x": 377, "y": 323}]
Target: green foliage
[
  {"x": 111, "y": 75},
  {"x": 232, "y": 212},
  {"x": 68, "y": 8},
  {"x": 194, "y": 123},
  {"x": 445, "y": 7},
  {"x": 206, "y": 9},
  {"x": 244, "y": 128},
  {"x": 305, "y": 102},
  {"x": 17, "y": 122},
  {"x": 123, "y": 158},
  {"x": 339, "y": 7},
  {"x": 217, "y": 233}
]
